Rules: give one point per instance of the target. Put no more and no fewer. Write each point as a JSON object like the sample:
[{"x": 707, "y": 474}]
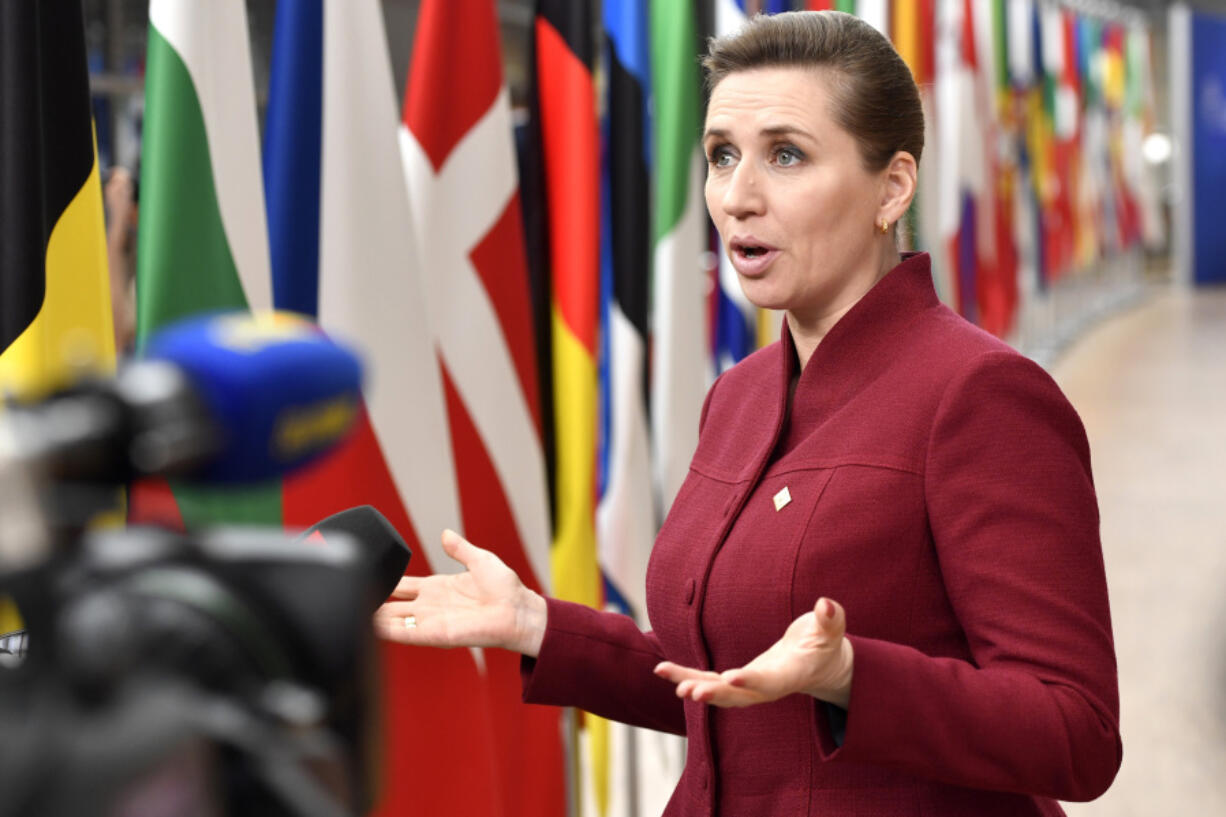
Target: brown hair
[{"x": 873, "y": 93}]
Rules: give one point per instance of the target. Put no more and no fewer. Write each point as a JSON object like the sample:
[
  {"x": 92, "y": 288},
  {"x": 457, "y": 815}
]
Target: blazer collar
[{"x": 856, "y": 349}]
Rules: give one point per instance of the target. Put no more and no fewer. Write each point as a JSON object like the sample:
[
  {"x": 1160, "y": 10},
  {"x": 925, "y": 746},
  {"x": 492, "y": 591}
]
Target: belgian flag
[{"x": 55, "y": 306}]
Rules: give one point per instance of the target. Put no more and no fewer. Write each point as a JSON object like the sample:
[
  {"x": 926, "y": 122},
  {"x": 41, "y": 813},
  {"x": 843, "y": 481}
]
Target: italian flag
[{"x": 681, "y": 367}]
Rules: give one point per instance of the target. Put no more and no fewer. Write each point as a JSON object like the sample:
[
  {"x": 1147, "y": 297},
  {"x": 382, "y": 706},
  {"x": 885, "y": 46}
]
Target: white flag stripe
[
  {"x": 949, "y": 90},
  {"x": 1020, "y": 41},
  {"x": 1051, "y": 21},
  {"x": 369, "y": 291},
  {"x": 988, "y": 150},
  {"x": 682, "y": 369},
  {"x": 930, "y": 184},
  {"x": 625, "y": 518},
  {"x": 477, "y": 180},
  {"x": 728, "y": 17},
  {"x": 200, "y": 31},
  {"x": 661, "y": 759},
  {"x": 876, "y": 13},
  {"x": 451, "y": 219}
]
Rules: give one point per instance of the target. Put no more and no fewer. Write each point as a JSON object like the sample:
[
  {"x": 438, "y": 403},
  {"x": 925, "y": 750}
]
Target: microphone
[
  {"x": 278, "y": 389},
  {"x": 224, "y": 398},
  {"x": 383, "y": 549}
]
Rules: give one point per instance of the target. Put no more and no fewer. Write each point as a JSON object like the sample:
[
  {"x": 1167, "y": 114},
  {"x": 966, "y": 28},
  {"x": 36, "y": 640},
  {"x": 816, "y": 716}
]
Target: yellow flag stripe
[
  {"x": 906, "y": 35},
  {"x": 72, "y": 333},
  {"x": 576, "y": 576},
  {"x": 576, "y": 572}
]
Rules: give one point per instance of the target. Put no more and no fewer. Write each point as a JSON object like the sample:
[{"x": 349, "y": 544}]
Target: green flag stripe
[
  {"x": 674, "y": 66},
  {"x": 184, "y": 264}
]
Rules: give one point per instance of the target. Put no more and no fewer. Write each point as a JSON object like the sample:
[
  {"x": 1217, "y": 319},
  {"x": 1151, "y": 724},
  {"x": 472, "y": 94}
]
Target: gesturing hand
[
  {"x": 485, "y": 606},
  {"x": 813, "y": 656}
]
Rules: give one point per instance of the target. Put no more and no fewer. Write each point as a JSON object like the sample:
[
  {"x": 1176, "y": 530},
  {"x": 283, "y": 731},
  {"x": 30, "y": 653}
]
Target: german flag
[
  {"x": 566, "y": 92},
  {"x": 55, "y": 305}
]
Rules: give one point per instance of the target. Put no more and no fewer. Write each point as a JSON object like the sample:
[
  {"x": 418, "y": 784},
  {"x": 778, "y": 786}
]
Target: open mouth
[{"x": 751, "y": 249}]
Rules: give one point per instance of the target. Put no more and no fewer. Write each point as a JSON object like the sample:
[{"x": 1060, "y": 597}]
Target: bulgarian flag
[{"x": 202, "y": 243}]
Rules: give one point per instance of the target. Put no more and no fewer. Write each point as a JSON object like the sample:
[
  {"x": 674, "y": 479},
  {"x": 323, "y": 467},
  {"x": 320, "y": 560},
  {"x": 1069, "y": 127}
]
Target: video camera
[{"x": 227, "y": 671}]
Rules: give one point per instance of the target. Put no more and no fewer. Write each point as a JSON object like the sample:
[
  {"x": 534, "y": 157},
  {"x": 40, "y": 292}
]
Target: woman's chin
[{"x": 761, "y": 293}]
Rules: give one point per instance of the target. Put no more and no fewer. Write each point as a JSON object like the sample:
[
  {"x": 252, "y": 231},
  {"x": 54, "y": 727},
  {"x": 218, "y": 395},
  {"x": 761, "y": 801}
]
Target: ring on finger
[{"x": 410, "y": 622}]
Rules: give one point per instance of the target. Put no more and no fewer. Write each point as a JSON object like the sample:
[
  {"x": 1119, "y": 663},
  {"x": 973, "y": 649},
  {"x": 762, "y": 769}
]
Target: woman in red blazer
[{"x": 880, "y": 590}]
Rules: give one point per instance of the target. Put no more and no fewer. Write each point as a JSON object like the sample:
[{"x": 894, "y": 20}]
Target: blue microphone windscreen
[{"x": 280, "y": 391}]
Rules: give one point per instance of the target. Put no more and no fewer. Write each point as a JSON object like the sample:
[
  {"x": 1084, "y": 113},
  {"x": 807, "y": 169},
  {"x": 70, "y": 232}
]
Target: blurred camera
[{"x": 228, "y": 671}]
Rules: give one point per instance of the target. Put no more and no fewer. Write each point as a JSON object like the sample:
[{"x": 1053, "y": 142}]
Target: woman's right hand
[{"x": 485, "y": 606}]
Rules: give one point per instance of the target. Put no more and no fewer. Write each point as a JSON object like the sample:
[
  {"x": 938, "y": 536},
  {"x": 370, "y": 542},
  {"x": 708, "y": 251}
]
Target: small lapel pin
[{"x": 782, "y": 498}]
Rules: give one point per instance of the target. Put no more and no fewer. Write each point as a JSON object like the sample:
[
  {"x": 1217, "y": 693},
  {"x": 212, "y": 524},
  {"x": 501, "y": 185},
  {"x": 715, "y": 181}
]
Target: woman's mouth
[{"x": 751, "y": 257}]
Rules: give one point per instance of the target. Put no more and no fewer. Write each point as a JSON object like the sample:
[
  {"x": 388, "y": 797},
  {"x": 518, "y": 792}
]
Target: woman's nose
[{"x": 743, "y": 195}]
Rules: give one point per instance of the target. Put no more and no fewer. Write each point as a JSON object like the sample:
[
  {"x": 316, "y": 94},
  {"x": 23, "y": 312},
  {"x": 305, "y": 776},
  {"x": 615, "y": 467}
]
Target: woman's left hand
[{"x": 813, "y": 657}]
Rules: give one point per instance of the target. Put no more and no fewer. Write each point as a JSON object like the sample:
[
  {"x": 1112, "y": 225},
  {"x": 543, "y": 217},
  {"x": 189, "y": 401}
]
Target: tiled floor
[{"x": 1150, "y": 385}]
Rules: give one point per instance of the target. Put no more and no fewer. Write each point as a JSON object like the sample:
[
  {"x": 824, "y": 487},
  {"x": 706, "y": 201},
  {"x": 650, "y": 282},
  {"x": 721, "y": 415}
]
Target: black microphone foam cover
[{"x": 385, "y": 550}]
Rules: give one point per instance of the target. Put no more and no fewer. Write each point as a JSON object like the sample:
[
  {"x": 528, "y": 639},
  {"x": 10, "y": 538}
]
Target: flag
[
  {"x": 738, "y": 327},
  {"x": 1003, "y": 217},
  {"x": 343, "y": 249},
  {"x": 55, "y": 305},
  {"x": 460, "y": 167},
  {"x": 570, "y": 149},
  {"x": 293, "y": 132},
  {"x": 644, "y": 765},
  {"x": 626, "y": 520},
  {"x": 202, "y": 241},
  {"x": 914, "y": 31},
  {"x": 911, "y": 31},
  {"x": 951, "y": 207},
  {"x": 1020, "y": 49},
  {"x": 995, "y": 280},
  {"x": 734, "y": 318},
  {"x": 570, "y": 155},
  {"x": 1138, "y": 124},
  {"x": 906, "y": 35},
  {"x": 876, "y": 13},
  {"x": 680, "y": 367}
]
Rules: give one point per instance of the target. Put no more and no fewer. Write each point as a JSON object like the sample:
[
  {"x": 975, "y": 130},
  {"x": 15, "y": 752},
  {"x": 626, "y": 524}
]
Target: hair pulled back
[{"x": 873, "y": 95}]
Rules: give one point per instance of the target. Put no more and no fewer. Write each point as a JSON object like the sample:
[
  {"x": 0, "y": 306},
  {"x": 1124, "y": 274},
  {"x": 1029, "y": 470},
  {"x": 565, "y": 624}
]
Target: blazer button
[{"x": 689, "y": 591}]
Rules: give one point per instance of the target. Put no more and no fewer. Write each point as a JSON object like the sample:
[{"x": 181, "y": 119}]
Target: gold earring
[{"x": 884, "y": 226}]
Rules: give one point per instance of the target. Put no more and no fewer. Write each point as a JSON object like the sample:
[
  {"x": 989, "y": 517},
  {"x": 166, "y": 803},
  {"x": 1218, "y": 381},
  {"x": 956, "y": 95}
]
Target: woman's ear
[{"x": 898, "y": 188}]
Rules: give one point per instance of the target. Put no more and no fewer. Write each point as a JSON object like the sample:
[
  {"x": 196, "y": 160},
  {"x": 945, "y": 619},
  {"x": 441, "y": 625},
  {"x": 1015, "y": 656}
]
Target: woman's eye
[
  {"x": 720, "y": 157},
  {"x": 786, "y": 157}
]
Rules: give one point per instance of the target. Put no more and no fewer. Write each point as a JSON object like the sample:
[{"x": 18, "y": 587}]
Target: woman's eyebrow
[
  {"x": 770, "y": 130},
  {"x": 785, "y": 130}
]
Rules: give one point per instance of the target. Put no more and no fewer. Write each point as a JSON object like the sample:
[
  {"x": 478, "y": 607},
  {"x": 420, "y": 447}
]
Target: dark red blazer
[{"x": 940, "y": 489}]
